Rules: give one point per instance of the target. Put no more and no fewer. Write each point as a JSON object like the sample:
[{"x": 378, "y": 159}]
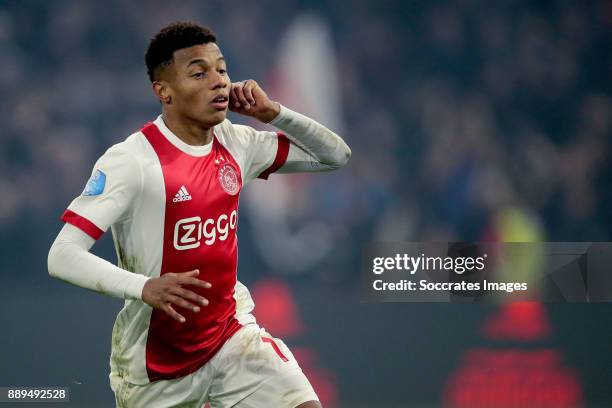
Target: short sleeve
[
  {"x": 259, "y": 153},
  {"x": 108, "y": 195}
]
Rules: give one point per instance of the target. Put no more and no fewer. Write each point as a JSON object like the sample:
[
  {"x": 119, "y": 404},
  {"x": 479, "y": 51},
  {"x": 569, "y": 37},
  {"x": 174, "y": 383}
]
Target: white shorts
[{"x": 251, "y": 370}]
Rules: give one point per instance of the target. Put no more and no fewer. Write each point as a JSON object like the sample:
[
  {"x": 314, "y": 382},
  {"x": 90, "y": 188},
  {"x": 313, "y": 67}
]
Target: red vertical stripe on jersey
[
  {"x": 82, "y": 223},
  {"x": 282, "y": 151},
  {"x": 199, "y": 233}
]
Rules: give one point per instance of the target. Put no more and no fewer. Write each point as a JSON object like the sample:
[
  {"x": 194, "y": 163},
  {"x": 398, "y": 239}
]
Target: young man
[{"x": 170, "y": 192}]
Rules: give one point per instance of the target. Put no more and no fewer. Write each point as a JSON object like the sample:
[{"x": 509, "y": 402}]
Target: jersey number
[{"x": 275, "y": 347}]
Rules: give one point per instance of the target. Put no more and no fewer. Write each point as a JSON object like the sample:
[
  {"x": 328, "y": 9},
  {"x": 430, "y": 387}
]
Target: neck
[{"x": 188, "y": 131}]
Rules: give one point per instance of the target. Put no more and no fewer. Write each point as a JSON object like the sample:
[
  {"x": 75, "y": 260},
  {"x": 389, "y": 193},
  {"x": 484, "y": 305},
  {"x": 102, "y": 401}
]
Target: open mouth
[{"x": 220, "y": 102}]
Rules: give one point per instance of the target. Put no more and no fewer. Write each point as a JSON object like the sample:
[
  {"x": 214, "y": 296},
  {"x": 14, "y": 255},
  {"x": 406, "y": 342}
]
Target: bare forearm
[{"x": 70, "y": 260}]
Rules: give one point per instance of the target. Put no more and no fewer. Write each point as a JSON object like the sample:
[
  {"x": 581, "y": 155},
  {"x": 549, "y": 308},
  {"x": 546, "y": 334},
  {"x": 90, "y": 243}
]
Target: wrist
[
  {"x": 270, "y": 113},
  {"x": 143, "y": 290}
]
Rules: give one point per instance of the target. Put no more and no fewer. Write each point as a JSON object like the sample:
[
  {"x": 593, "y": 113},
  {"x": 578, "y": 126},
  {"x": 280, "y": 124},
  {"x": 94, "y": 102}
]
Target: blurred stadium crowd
[{"x": 468, "y": 120}]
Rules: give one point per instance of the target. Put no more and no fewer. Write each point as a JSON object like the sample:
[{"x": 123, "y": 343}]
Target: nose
[{"x": 219, "y": 81}]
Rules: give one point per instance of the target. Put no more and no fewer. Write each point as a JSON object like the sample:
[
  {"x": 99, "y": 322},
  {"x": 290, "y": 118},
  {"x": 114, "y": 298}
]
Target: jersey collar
[{"x": 191, "y": 150}]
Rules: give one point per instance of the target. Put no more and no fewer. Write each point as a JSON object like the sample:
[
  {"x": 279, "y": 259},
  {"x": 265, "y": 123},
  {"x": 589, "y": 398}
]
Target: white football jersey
[{"x": 173, "y": 207}]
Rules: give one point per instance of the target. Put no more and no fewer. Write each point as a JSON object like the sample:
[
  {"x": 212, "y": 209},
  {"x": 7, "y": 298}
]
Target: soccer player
[{"x": 169, "y": 192}]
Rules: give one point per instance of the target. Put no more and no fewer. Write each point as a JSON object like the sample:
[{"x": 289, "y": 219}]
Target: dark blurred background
[{"x": 468, "y": 121}]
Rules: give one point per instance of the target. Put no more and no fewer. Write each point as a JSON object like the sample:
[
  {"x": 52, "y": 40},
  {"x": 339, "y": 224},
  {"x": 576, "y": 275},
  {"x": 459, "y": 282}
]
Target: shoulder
[
  {"x": 134, "y": 145},
  {"x": 129, "y": 151},
  {"x": 122, "y": 160},
  {"x": 230, "y": 134},
  {"x": 235, "y": 135}
]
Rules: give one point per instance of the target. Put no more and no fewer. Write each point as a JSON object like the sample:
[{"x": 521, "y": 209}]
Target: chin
[{"x": 214, "y": 118}]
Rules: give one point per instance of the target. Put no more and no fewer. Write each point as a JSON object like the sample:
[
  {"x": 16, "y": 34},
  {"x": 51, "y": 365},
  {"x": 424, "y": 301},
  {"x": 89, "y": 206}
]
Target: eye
[
  {"x": 223, "y": 71},
  {"x": 198, "y": 75}
]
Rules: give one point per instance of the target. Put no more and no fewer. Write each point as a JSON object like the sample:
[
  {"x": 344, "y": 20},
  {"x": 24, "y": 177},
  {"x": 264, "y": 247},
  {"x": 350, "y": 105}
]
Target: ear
[{"x": 162, "y": 91}]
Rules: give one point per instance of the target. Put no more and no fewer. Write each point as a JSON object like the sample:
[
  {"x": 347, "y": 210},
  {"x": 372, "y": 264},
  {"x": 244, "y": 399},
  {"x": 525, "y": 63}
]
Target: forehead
[{"x": 208, "y": 52}]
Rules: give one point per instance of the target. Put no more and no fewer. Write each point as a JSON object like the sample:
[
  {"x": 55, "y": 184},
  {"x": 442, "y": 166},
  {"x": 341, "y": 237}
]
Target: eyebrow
[{"x": 201, "y": 60}]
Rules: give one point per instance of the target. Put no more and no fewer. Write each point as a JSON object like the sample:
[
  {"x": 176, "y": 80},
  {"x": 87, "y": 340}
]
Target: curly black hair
[{"x": 175, "y": 36}]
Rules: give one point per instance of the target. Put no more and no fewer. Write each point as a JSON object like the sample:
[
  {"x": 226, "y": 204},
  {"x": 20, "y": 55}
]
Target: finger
[
  {"x": 195, "y": 282},
  {"x": 172, "y": 313},
  {"x": 237, "y": 90},
  {"x": 248, "y": 91},
  {"x": 194, "y": 272},
  {"x": 187, "y": 294},
  {"x": 179, "y": 301},
  {"x": 243, "y": 100},
  {"x": 234, "y": 97}
]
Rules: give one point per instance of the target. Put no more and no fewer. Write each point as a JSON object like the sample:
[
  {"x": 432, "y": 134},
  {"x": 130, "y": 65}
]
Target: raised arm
[{"x": 312, "y": 147}]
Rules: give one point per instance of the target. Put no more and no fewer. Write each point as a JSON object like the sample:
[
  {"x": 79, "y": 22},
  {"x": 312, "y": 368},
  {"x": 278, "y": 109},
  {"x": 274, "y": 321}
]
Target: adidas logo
[{"x": 182, "y": 195}]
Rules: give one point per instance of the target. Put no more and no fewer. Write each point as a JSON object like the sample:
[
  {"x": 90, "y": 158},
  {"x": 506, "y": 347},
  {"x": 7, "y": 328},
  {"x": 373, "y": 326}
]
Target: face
[{"x": 196, "y": 85}]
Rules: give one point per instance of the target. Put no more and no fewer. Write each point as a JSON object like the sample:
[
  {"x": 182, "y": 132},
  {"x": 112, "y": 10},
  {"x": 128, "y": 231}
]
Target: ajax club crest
[{"x": 228, "y": 179}]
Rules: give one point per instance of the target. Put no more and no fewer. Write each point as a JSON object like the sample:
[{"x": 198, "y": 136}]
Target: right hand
[{"x": 167, "y": 290}]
